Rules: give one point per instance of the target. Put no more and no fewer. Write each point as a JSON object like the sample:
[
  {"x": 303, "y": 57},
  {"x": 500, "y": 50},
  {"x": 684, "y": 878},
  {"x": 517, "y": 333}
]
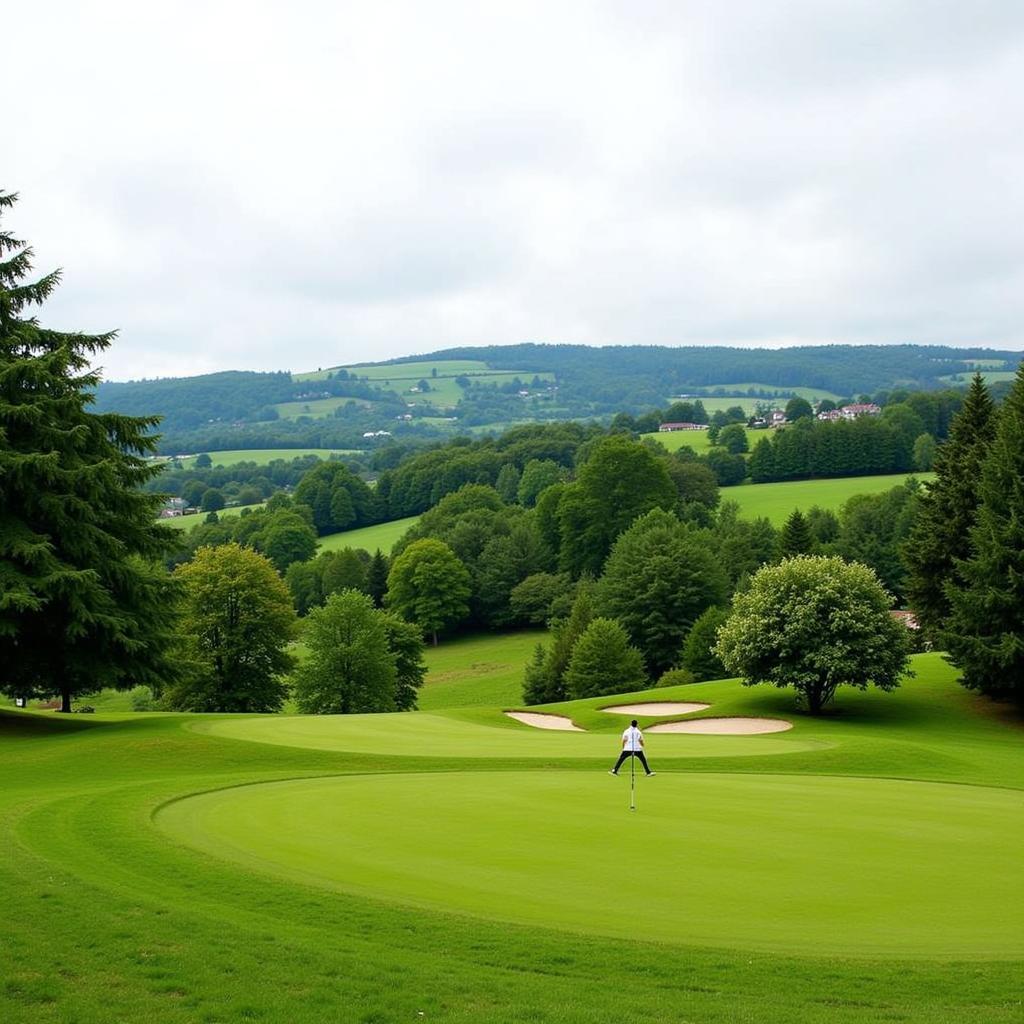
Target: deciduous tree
[
  {"x": 237, "y": 623},
  {"x": 814, "y": 623},
  {"x": 429, "y": 585}
]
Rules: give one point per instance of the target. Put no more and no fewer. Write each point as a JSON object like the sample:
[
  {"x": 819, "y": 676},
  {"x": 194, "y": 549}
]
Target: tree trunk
[
  {"x": 65, "y": 701},
  {"x": 814, "y": 700},
  {"x": 435, "y": 638}
]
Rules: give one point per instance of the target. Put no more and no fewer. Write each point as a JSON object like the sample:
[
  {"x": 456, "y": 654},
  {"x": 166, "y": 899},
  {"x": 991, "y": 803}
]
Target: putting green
[
  {"x": 428, "y": 735},
  {"x": 811, "y": 865}
]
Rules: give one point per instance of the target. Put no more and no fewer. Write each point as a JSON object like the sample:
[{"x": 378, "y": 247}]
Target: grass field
[
  {"x": 811, "y": 394},
  {"x": 478, "y": 670},
  {"x": 316, "y": 407},
  {"x": 369, "y": 538},
  {"x": 777, "y": 501},
  {"x": 990, "y": 376},
  {"x": 698, "y": 440},
  {"x": 264, "y": 456},
  {"x": 187, "y": 522},
  {"x": 454, "y": 865},
  {"x": 444, "y": 393}
]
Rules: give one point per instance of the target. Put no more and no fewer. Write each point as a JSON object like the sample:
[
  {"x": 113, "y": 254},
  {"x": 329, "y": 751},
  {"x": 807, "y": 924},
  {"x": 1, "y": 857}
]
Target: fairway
[
  {"x": 264, "y": 456},
  {"x": 912, "y": 869},
  {"x": 459, "y": 866},
  {"x": 488, "y": 735}
]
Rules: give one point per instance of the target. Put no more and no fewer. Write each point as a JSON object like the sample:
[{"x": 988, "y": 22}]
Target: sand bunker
[
  {"x": 539, "y": 721},
  {"x": 725, "y": 726},
  {"x": 665, "y": 707}
]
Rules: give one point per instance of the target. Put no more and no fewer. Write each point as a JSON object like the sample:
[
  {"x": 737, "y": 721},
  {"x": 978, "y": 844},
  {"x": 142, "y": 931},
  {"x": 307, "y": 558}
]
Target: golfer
[{"x": 632, "y": 746}]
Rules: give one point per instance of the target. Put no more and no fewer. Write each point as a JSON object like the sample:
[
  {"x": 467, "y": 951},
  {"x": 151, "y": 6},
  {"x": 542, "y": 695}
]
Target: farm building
[{"x": 667, "y": 428}]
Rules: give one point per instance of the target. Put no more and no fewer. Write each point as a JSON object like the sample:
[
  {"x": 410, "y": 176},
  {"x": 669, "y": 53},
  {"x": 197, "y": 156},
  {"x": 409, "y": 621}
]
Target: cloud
[{"x": 248, "y": 186}]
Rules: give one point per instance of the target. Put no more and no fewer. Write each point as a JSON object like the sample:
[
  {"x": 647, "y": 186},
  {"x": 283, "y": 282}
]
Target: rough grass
[
  {"x": 485, "y": 669},
  {"x": 107, "y": 917}
]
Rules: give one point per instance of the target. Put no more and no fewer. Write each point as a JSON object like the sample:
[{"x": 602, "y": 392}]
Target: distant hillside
[{"x": 489, "y": 388}]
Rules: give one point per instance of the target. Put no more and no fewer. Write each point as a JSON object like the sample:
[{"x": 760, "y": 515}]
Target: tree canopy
[
  {"x": 984, "y": 631},
  {"x": 428, "y": 585},
  {"x": 84, "y": 603},
  {"x": 237, "y": 622},
  {"x": 814, "y": 623}
]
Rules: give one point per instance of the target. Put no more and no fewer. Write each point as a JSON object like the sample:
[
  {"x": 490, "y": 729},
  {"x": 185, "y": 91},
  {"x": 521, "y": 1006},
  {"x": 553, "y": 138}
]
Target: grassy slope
[
  {"x": 263, "y": 456},
  {"x": 106, "y": 918},
  {"x": 811, "y": 394},
  {"x": 485, "y": 669},
  {"x": 698, "y": 440},
  {"x": 187, "y": 522},
  {"x": 777, "y": 501},
  {"x": 382, "y": 536}
]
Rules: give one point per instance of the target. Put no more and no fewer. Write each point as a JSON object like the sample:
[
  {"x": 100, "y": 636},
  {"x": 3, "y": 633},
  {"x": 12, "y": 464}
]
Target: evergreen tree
[
  {"x": 796, "y": 536},
  {"x": 545, "y": 675},
  {"x": 83, "y": 603},
  {"x": 699, "y": 655},
  {"x": 945, "y": 513},
  {"x": 984, "y": 633},
  {"x": 604, "y": 662},
  {"x": 658, "y": 579},
  {"x": 377, "y": 578}
]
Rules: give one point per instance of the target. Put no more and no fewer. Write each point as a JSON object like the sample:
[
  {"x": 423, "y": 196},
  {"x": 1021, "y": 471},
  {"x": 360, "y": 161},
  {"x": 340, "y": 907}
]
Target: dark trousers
[{"x": 632, "y": 753}]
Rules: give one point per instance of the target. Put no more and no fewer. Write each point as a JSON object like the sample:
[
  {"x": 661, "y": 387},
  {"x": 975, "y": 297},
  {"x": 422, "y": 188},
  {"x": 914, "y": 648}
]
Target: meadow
[
  {"x": 777, "y": 501},
  {"x": 698, "y": 440},
  {"x": 811, "y": 394},
  {"x": 454, "y": 865},
  {"x": 188, "y": 522},
  {"x": 264, "y": 456},
  {"x": 440, "y": 374},
  {"x": 369, "y": 538}
]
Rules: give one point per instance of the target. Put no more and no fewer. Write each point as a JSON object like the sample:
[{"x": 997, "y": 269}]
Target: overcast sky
[{"x": 290, "y": 185}]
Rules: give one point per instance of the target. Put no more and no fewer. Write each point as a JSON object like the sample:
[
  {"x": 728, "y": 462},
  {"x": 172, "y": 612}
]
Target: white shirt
[{"x": 632, "y": 739}]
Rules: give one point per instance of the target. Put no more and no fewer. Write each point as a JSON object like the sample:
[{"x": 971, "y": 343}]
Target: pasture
[
  {"x": 783, "y": 393},
  {"x": 776, "y": 501},
  {"x": 439, "y": 374},
  {"x": 698, "y": 440},
  {"x": 369, "y": 538},
  {"x": 264, "y": 456},
  {"x": 454, "y": 865},
  {"x": 188, "y": 522}
]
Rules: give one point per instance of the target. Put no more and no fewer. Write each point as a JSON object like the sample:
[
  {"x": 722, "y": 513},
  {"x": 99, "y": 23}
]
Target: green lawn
[
  {"x": 777, "y": 501},
  {"x": 369, "y": 538},
  {"x": 460, "y": 867}
]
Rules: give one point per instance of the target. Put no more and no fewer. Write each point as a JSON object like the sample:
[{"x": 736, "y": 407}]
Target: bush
[{"x": 676, "y": 677}]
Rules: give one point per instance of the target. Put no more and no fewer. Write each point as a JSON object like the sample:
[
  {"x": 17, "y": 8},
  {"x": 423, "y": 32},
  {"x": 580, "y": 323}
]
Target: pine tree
[
  {"x": 377, "y": 578},
  {"x": 796, "y": 536},
  {"x": 83, "y": 601},
  {"x": 945, "y": 514},
  {"x": 984, "y": 632}
]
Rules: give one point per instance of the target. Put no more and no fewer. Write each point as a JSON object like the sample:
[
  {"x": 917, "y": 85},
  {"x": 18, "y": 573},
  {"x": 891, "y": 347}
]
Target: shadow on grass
[{"x": 17, "y": 724}]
